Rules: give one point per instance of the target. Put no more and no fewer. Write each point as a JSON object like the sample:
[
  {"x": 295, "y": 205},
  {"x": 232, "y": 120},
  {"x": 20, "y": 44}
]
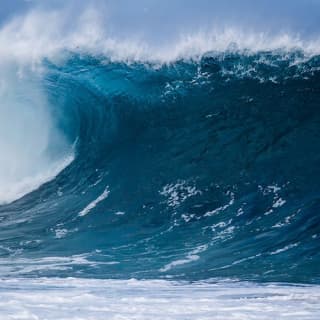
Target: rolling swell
[{"x": 190, "y": 170}]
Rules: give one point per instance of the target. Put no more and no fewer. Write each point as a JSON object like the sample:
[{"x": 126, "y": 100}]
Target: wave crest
[{"x": 24, "y": 39}]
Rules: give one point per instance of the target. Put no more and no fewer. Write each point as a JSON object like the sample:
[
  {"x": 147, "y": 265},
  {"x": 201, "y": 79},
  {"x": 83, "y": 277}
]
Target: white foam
[
  {"x": 179, "y": 192},
  {"x": 120, "y": 213},
  {"x": 83, "y": 299},
  {"x": 61, "y": 233},
  {"x": 18, "y": 266},
  {"x": 288, "y": 247},
  {"x": 222, "y": 208},
  {"x": 191, "y": 257},
  {"x": 279, "y": 203},
  {"x": 94, "y": 203}
]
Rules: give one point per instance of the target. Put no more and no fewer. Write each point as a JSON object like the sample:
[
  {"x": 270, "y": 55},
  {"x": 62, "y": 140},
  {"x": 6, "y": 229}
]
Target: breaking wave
[{"x": 191, "y": 161}]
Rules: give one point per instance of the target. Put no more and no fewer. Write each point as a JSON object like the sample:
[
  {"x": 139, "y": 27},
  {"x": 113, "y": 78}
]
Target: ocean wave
[
  {"x": 171, "y": 173},
  {"x": 190, "y": 160}
]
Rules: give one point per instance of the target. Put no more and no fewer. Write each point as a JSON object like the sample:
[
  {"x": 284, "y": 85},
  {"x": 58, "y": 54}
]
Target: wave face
[{"x": 192, "y": 170}]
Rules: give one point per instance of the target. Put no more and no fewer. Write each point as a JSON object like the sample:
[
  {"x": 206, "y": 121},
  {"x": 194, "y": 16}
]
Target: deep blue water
[{"x": 188, "y": 170}]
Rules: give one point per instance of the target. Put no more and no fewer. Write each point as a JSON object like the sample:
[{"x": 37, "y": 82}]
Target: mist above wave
[{"x": 43, "y": 33}]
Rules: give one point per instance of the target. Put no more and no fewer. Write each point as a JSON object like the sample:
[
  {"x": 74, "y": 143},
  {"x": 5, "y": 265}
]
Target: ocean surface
[{"x": 180, "y": 187}]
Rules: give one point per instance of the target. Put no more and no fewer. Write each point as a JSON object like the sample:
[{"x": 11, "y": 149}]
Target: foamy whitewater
[
  {"x": 131, "y": 299},
  {"x": 159, "y": 161}
]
